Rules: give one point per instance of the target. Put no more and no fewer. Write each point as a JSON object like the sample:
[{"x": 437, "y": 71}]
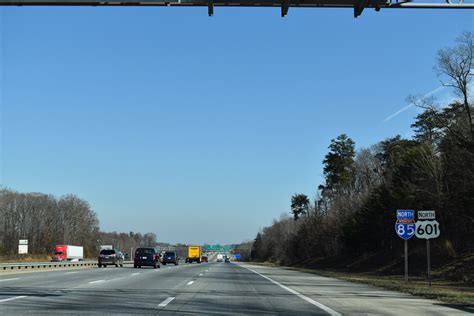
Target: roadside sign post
[
  {"x": 406, "y": 260},
  {"x": 427, "y": 228},
  {"x": 23, "y": 246},
  {"x": 428, "y": 261},
  {"x": 250, "y": 252},
  {"x": 405, "y": 229}
]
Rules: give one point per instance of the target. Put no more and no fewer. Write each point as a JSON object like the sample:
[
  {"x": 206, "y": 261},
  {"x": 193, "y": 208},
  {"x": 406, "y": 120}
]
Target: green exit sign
[{"x": 213, "y": 248}]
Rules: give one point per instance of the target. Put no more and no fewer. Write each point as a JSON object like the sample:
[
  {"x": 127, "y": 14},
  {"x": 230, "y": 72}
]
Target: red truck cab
[{"x": 60, "y": 253}]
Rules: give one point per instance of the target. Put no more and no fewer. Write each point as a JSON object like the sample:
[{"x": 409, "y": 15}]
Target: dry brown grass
[{"x": 23, "y": 258}]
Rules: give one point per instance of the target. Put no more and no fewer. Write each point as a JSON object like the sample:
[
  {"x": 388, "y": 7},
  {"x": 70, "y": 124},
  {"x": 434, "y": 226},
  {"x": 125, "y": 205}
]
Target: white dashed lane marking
[
  {"x": 12, "y": 279},
  {"x": 307, "y": 299},
  {"x": 166, "y": 302},
  {"x": 98, "y": 281},
  {"x": 12, "y": 298}
]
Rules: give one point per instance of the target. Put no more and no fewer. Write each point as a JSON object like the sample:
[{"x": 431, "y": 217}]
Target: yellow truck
[{"x": 194, "y": 254}]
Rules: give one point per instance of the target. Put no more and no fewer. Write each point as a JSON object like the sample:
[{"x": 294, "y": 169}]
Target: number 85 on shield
[{"x": 405, "y": 230}]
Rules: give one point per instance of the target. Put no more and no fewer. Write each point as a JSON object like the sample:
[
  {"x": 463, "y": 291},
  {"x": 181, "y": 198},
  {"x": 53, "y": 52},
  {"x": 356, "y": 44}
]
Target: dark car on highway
[
  {"x": 110, "y": 257},
  {"x": 170, "y": 257},
  {"x": 146, "y": 257}
]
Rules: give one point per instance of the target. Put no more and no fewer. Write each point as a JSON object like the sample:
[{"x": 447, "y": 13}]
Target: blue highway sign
[
  {"x": 405, "y": 229},
  {"x": 405, "y": 214}
]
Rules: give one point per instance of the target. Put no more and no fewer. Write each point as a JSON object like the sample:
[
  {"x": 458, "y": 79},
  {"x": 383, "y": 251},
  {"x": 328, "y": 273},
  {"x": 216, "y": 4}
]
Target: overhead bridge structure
[{"x": 357, "y": 5}]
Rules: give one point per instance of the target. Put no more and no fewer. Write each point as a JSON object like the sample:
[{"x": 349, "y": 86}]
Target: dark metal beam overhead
[{"x": 357, "y": 5}]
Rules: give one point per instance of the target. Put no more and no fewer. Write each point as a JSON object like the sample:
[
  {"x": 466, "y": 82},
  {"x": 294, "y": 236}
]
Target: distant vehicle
[
  {"x": 146, "y": 257},
  {"x": 227, "y": 259},
  {"x": 170, "y": 257},
  {"x": 220, "y": 257},
  {"x": 204, "y": 259},
  {"x": 110, "y": 257},
  {"x": 68, "y": 253},
  {"x": 194, "y": 254},
  {"x": 106, "y": 247}
]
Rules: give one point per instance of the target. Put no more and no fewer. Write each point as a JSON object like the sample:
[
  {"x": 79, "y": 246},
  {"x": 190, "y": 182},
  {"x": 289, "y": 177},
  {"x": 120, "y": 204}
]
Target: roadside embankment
[{"x": 452, "y": 282}]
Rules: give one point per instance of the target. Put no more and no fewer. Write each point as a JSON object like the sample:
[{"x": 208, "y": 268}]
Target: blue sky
[{"x": 200, "y": 129}]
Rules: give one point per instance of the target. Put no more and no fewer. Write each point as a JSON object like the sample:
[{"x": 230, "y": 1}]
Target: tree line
[
  {"x": 45, "y": 221},
  {"x": 353, "y": 212},
  {"x": 127, "y": 242}
]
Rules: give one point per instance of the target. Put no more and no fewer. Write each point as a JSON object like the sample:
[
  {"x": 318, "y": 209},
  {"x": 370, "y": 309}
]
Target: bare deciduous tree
[{"x": 456, "y": 64}]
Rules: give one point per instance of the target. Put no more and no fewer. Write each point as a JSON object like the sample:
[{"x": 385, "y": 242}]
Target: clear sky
[{"x": 200, "y": 129}]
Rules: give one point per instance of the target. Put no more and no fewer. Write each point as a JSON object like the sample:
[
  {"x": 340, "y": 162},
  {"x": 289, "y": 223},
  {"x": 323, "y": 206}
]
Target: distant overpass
[{"x": 284, "y": 5}]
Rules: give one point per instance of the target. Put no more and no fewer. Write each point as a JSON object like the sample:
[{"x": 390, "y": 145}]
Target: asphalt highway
[{"x": 207, "y": 288}]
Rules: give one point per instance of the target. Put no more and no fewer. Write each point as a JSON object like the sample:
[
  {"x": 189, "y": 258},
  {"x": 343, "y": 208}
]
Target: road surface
[{"x": 208, "y": 288}]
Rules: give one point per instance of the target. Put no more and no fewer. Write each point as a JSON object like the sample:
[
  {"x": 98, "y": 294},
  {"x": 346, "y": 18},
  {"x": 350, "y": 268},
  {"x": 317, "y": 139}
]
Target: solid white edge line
[
  {"x": 328, "y": 310},
  {"x": 12, "y": 279},
  {"x": 12, "y": 298},
  {"x": 98, "y": 281},
  {"x": 166, "y": 302},
  {"x": 136, "y": 273}
]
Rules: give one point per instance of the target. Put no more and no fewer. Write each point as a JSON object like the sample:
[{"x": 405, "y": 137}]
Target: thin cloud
[{"x": 412, "y": 104}]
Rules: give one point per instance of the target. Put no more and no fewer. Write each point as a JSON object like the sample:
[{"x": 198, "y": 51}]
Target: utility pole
[{"x": 250, "y": 251}]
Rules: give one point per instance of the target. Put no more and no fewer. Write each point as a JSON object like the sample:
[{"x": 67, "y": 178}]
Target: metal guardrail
[{"x": 44, "y": 265}]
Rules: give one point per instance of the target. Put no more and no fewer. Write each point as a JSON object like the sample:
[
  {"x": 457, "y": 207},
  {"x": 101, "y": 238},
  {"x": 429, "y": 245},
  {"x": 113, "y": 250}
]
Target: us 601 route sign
[
  {"x": 426, "y": 226},
  {"x": 427, "y": 229}
]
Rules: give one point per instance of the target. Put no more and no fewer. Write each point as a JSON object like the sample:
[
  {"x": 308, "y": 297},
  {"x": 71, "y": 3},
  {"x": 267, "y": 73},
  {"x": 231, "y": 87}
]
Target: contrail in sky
[{"x": 411, "y": 104}]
